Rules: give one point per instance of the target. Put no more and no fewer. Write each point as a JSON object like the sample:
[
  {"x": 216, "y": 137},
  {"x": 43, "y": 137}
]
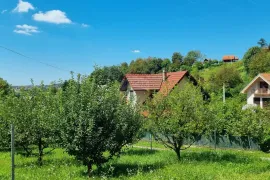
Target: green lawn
[{"x": 136, "y": 163}]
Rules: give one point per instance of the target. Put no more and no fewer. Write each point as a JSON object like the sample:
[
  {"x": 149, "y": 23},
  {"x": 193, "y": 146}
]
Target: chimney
[{"x": 163, "y": 75}]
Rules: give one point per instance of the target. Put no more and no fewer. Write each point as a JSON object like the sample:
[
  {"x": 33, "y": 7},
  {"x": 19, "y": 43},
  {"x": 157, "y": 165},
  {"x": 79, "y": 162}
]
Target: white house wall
[{"x": 141, "y": 96}]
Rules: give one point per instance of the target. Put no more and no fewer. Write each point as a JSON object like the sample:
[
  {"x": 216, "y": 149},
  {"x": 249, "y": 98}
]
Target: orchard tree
[
  {"x": 35, "y": 114},
  {"x": 98, "y": 122},
  {"x": 178, "y": 118}
]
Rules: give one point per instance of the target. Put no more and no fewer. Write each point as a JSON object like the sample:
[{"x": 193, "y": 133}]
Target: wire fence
[{"x": 221, "y": 141}]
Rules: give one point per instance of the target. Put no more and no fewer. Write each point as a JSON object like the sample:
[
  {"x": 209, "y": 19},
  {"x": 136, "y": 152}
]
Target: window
[{"x": 257, "y": 101}]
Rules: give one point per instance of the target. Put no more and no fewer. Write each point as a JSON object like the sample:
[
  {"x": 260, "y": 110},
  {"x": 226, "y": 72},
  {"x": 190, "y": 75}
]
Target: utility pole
[
  {"x": 224, "y": 91},
  {"x": 151, "y": 139},
  {"x": 224, "y": 100},
  {"x": 12, "y": 153}
]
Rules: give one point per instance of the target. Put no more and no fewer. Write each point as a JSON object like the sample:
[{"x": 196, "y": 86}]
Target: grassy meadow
[{"x": 138, "y": 163}]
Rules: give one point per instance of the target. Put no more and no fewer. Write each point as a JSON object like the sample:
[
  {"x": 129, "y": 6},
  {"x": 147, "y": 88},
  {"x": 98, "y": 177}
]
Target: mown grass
[{"x": 136, "y": 163}]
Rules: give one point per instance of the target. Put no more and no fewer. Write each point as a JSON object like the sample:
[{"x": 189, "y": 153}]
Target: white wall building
[
  {"x": 258, "y": 90},
  {"x": 138, "y": 87}
]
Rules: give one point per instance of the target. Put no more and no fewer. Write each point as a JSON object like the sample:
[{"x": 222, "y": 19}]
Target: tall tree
[
  {"x": 177, "y": 58},
  {"x": 107, "y": 74},
  {"x": 98, "y": 122},
  {"x": 166, "y": 63},
  {"x": 260, "y": 63},
  {"x": 262, "y": 42},
  {"x": 178, "y": 118},
  {"x": 192, "y": 57},
  {"x": 249, "y": 55}
]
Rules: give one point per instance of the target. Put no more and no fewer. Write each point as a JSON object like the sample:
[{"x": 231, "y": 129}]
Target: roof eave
[{"x": 248, "y": 86}]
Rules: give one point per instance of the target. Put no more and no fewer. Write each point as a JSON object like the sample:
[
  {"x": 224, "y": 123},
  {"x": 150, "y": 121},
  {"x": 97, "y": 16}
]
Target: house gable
[{"x": 264, "y": 76}]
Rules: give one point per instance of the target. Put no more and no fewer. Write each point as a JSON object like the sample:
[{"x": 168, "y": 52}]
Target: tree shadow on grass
[
  {"x": 49, "y": 162},
  {"x": 140, "y": 152},
  {"x": 209, "y": 156},
  {"x": 124, "y": 169}
]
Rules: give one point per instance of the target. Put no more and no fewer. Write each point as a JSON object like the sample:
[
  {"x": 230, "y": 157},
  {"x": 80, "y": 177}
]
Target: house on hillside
[
  {"x": 139, "y": 87},
  {"x": 258, "y": 91},
  {"x": 230, "y": 58}
]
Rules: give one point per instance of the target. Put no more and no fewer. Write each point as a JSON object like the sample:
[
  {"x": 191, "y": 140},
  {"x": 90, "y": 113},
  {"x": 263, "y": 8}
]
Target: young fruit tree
[
  {"x": 178, "y": 118},
  {"x": 35, "y": 115},
  {"x": 98, "y": 122}
]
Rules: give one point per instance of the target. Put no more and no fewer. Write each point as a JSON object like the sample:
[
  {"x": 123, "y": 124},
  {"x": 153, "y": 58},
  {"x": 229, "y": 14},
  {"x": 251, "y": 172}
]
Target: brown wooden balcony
[{"x": 262, "y": 92}]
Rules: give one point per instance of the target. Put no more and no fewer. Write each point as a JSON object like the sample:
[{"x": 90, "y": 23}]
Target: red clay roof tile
[
  {"x": 154, "y": 81},
  {"x": 229, "y": 58}
]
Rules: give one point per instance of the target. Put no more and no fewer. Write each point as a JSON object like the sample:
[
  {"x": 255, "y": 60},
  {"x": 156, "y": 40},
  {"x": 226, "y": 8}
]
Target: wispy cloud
[
  {"x": 23, "y": 7},
  {"x": 85, "y": 25},
  {"x": 3, "y": 11},
  {"x": 26, "y": 29},
  {"x": 136, "y": 51},
  {"x": 53, "y": 16}
]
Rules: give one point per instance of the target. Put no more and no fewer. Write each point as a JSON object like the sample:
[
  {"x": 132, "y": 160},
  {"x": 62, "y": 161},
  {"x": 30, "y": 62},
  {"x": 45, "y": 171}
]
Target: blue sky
[{"x": 75, "y": 35}]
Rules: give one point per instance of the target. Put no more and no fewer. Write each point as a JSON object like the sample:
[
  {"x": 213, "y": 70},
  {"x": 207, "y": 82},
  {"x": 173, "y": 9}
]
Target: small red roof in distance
[
  {"x": 154, "y": 81},
  {"x": 144, "y": 81},
  {"x": 229, "y": 58}
]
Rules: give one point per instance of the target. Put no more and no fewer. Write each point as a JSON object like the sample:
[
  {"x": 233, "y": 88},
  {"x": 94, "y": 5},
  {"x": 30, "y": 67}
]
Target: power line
[{"x": 27, "y": 57}]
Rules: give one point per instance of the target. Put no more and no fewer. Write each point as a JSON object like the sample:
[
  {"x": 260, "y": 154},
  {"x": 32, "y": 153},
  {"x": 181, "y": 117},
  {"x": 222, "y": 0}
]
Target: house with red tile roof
[
  {"x": 258, "y": 91},
  {"x": 139, "y": 87},
  {"x": 230, "y": 58}
]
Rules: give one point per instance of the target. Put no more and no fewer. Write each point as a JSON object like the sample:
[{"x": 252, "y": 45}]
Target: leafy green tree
[
  {"x": 177, "y": 58},
  {"x": 139, "y": 66},
  {"x": 223, "y": 116},
  {"x": 178, "y": 118},
  {"x": 107, "y": 74},
  {"x": 154, "y": 65},
  {"x": 166, "y": 63},
  {"x": 249, "y": 55},
  {"x": 226, "y": 74},
  {"x": 5, "y": 88},
  {"x": 262, "y": 42},
  {"x": 192, "y": 57},
  {"x": 124, "y": 68},
  {"x": 98, "y": 122},
  {"x": 260, "y": 63},
  {"x": 35, "y": 114}
]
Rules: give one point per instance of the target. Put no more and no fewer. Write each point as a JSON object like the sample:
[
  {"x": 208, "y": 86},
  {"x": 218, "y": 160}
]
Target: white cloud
[
  {"x": 136, "y": 51},
  {"x": 26, "y": 29},
  {"x": 2, "y": 12},
  {"x": 85, "y": 25},
  {"x": 23, "y": 6},
  {"x": 53, "y": 16}
]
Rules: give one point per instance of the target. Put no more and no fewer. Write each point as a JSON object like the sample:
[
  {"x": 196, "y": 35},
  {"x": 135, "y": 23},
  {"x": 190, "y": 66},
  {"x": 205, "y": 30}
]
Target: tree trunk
[
  {"x": 177, "y": 151},
  {"x": 89, "y": 167},
  {"x": 40, "y": 152}
]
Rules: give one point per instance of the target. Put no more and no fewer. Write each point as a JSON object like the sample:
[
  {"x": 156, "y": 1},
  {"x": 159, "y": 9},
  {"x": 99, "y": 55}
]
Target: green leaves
[
  {"x": 97, "y": 122},
  {"x": 177, "y": 117}
]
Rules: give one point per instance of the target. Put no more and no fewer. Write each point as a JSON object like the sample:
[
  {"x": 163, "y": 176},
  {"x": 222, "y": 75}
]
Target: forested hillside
[{"x": 211, "y": 74}]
